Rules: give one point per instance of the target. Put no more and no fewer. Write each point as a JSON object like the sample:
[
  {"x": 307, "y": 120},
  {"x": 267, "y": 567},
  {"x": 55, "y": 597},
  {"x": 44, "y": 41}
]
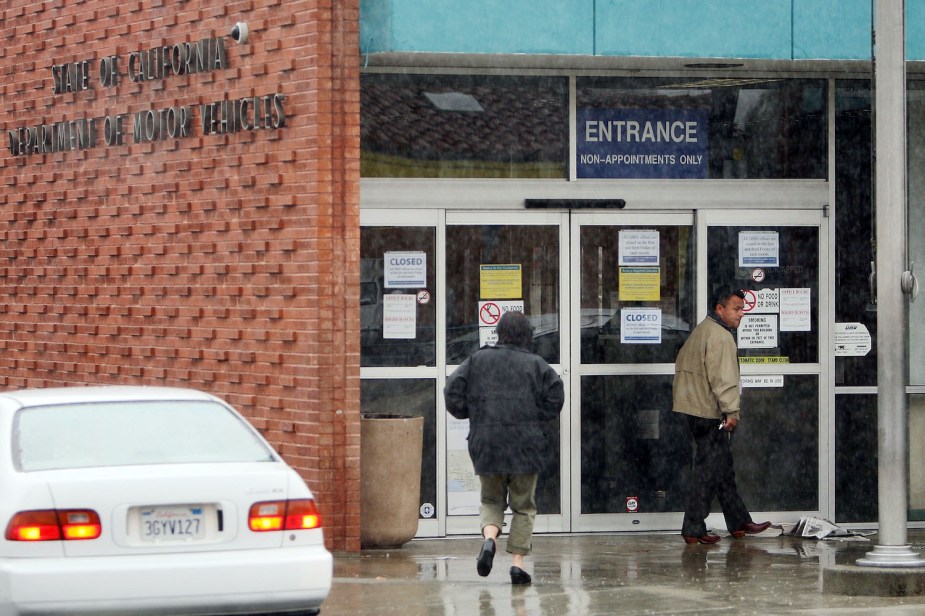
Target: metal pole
[{"x": 892, "y": 326}]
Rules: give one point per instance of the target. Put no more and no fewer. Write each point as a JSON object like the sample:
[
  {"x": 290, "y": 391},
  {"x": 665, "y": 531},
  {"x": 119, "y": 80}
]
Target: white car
[{"x": 147, "y": 500}]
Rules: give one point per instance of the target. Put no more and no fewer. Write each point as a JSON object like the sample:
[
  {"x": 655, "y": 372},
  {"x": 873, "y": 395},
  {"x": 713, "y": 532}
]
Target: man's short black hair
[
  {"x": 514, "y": 329},
  {"x": 722, "y": 294}
]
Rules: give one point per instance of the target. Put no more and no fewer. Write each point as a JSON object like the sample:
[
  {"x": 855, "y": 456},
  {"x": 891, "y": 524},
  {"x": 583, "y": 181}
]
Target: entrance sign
[
  {"x": 405, "y": 269},
  {"x": 642, "y": 143},
  {"x": 759, "y": 249}
]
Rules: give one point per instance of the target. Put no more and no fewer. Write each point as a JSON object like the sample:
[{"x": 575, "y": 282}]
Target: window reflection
[
  {"x": 393, "y": 346},
  {"x": 856, "y": 458},
  {"x": 463, "y": 126},
  {"x": 601, "y": 302},
  {"x": 797, "y": 268},
  {"x": 854, "y": 248}
]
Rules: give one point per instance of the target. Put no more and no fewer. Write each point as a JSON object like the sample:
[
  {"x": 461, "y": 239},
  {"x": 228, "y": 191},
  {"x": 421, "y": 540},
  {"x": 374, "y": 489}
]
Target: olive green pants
[{"x": 518, "y": 492}]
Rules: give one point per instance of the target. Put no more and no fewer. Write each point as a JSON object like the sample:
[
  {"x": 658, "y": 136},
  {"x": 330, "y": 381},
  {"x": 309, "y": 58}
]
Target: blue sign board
[{"x": 642, "y": 143}]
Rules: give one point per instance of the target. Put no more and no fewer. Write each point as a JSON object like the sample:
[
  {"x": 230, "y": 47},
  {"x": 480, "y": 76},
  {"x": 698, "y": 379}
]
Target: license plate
[{"x": 172, "y": 523}]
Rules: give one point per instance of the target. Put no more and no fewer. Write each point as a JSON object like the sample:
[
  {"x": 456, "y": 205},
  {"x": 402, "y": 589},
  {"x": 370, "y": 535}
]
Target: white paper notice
[
  {"x": 759, "y": 249},
  {"x": 638, "y": 247},
  {"x": 462, "y": 484},
  {"x": 794, "y": 310},
  {"x": 775, "y": 380},
  {"x": 399, "y": 316},
  {"x": 641, "y": 325},
  {"x": 757, "y": 331},
  {"x": 851, "y": 340},
  {"x": 405, "y": 269}
]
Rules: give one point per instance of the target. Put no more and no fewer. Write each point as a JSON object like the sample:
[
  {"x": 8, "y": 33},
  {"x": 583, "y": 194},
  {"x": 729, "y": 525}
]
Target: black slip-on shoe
[
  {"x": 486, "y": 557},
  {"x": 519, "y": 576}
]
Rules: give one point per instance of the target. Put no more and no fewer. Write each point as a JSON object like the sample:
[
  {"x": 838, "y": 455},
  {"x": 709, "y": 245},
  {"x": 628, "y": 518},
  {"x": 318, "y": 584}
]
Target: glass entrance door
[
  {"x": 640, "y": 283},
  {"x": 779, "y": 447},
  {"x": 497, "y": 263},
  {"x": 613, "y": 296}
]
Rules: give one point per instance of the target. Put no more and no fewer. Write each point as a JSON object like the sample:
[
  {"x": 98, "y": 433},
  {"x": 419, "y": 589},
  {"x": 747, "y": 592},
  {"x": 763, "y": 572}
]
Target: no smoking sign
[{"x": 490, "y": 312}]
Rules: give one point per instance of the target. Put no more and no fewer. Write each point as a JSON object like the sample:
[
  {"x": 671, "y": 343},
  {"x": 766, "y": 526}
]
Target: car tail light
[
  {"x": 52, "y": 525},
  {"x": 298, "y": 514}
]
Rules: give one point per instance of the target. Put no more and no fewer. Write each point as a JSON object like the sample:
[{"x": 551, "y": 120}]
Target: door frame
[
  {"x": 700, "y": 220},
  {"x": 544, "y": 523},
  {"x": 823, "y": 369}
]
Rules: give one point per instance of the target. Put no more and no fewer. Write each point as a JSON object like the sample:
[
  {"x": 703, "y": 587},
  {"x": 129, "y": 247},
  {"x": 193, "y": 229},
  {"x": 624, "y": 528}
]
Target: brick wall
[{"x": 190, "y": 254}]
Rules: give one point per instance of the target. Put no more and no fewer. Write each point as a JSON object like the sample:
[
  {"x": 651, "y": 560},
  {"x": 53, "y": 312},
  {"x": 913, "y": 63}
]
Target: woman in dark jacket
[{"x": 507, "y": 393}]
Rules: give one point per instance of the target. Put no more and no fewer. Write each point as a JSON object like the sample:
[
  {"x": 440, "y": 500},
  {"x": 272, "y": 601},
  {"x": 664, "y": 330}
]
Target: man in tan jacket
[{"x": 707, "y": 390}]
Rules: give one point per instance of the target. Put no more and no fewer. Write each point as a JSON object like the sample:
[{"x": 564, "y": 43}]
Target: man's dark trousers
[{"x": 712, "y": 475}]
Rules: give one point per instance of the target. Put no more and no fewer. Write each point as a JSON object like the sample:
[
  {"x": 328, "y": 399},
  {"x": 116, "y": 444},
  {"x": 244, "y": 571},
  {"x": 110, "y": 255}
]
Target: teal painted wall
[
  {"x": 770, "y": 29},
  {"x": 694, "y": 28}
]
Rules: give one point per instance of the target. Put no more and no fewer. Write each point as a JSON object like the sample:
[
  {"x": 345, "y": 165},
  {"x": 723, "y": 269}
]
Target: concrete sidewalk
[{"x": 600, "y": 574}]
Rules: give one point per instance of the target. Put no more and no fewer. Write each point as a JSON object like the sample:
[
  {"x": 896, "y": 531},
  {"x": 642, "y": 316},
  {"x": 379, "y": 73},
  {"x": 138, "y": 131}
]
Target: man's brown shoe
[{"x": 751, "y": 528}]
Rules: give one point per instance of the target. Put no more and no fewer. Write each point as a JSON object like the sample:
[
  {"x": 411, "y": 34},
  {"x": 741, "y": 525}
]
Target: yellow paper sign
[
  {"x": 764, "y": 360},
  {"x": 640, "y": 284},
  {"x": 500, "y": 281}
]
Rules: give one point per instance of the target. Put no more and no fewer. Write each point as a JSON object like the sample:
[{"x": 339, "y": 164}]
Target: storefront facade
[
  {"x": 603, "y": 167},
  {"x": 180, "y": 206}
]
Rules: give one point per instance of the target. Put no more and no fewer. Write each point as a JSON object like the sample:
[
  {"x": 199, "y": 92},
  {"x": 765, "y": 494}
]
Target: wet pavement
[{"x": 597, "y": 574}]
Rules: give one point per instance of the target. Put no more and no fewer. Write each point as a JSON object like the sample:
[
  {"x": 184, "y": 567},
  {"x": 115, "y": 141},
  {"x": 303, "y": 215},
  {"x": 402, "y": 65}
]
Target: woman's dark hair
[
  {"x": 723, "y": 293},
  {"x": 514, "y": 329}
]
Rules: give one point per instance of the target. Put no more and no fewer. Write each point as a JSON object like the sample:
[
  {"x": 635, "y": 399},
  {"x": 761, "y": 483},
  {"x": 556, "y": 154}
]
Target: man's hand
[{"x": 729, "y": 424}]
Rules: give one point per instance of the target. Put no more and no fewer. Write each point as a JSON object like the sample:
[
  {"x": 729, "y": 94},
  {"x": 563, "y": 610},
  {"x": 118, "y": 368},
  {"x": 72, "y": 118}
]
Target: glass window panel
[
  {"x": 776, "y": 446},
  {"x": 535, "y": 249},
  {"x": 854, "y": 299},
  {"x": 798, "y": 269},
  {"x": 757, "y": 128},
  {"x": 463, "y": 126},
  {"x": 855, "y": 458},
  {"x": 388, "y": 346},
  {"x": 668, "y": 287},
  {"x": 408, "y": 398},
  {"x": 633, "y": 444}
]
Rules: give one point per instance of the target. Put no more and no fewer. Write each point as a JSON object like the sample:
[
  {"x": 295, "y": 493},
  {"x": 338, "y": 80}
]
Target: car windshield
[{"x": 127, "y": 433}]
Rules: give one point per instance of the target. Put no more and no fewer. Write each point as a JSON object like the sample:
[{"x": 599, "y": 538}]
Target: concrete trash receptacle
[{"x": 391, "y": 447}]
